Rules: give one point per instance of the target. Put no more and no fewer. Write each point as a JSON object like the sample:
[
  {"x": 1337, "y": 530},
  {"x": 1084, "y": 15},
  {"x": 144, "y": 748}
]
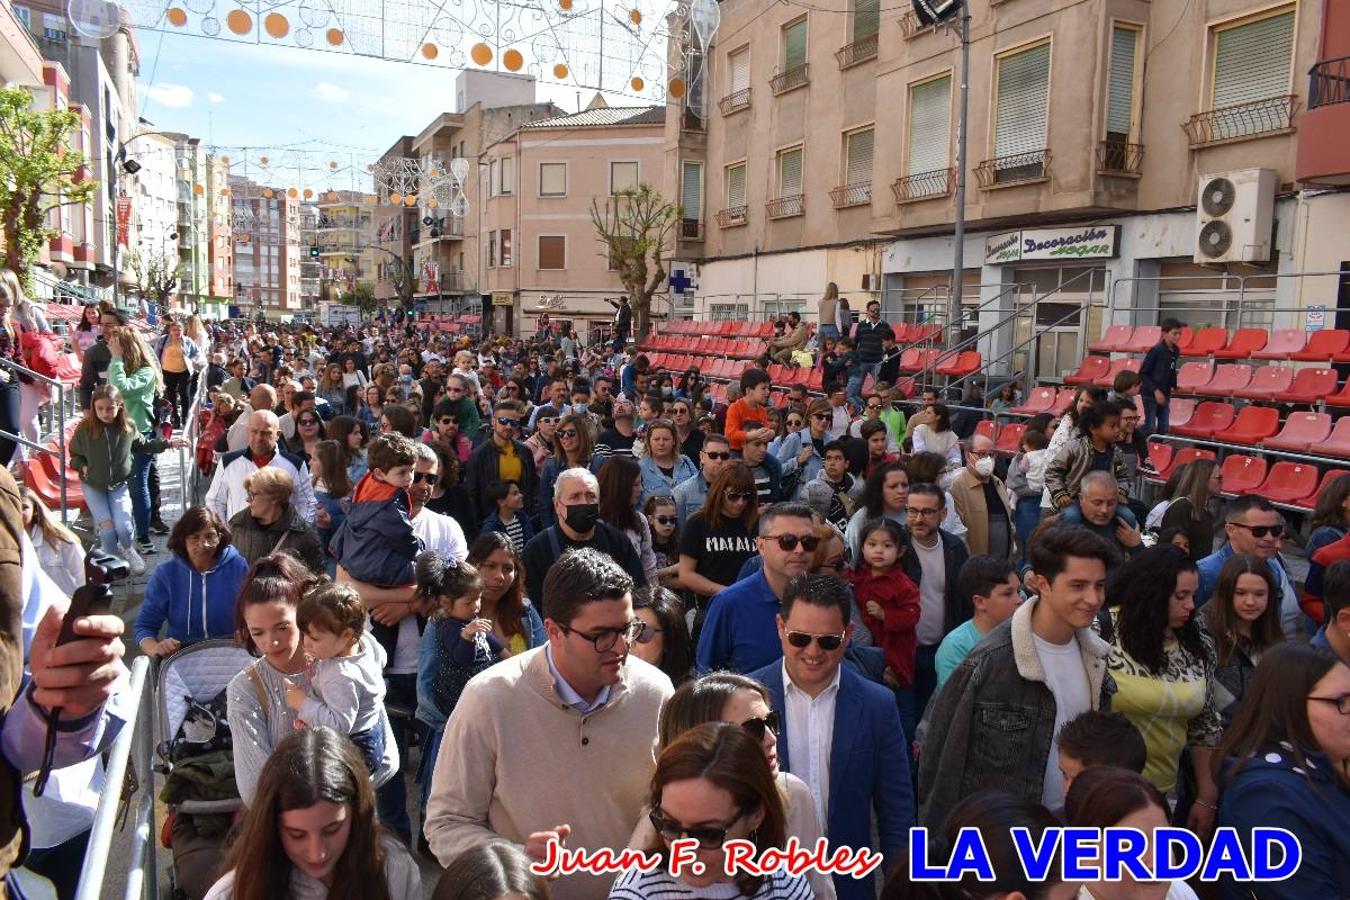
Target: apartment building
[
  {"x": 830, "y": 155},
  {"x": 540, "y": 252},
  {"x": 193, "y": 226},
  {"x": 394, "y": 226},
  {"x": 266, "y": 233},
  {"x": 220, "y": 240},
  {"x": 345, "y": 236}
]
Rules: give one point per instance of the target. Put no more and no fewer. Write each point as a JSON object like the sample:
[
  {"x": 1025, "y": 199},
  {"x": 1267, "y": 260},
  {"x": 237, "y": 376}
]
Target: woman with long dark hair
[
  {"x": 1163, "y": 670},
  {"x": 666, "y": 643},
  {"x": 1067, "y": 431},
  {"x": 311, "y": 830},
  {"x": 1190, "y": 510},
  {"x": 620, "y": 490},
  {"x": 1240, "y": 622},
  {"x": 573, "y": 448},
  {"x": 715, "y": 772},
  {"x": 718, "y": 539},
  {"x": 1285, "y": 762},
  {"x": 884, "y": 496},
  {"x": 938, "y": 437}
]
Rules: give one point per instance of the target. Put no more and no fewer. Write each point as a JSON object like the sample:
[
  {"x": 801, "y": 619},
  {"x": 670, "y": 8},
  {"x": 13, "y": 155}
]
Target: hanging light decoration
[
  {"x": 513, "y": 60},
  {"x": 430, "y": 51},
  {"x": 176, "y": 17},
  {"x": 276, "y": 25},
  {"x": 239, "y": 22},
  {"x": 560, "y": 71},
  {"x": 637, "y": 84},
  {"x": 481, "y": 54},
  {"x": 335, "y": 37}
]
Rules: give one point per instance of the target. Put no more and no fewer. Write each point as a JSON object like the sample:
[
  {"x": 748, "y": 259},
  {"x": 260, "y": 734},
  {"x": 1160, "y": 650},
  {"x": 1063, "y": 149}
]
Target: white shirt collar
[
  {"x": 789, "y": 687},
  {"x": 568, "y": 694}
]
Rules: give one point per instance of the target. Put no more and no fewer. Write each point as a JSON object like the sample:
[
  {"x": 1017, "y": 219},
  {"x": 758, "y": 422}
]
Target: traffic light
[{"x": 314, "y": 251}]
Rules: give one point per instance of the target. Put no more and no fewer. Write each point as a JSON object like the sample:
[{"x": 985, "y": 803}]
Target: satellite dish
[{"x": 94, "y": 18}]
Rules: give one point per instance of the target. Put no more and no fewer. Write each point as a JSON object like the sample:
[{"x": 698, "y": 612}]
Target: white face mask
[{"x": 984, "y": 467}]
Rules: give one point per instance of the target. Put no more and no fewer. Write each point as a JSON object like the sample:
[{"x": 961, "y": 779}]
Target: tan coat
[{"x": 968, "y": 498}]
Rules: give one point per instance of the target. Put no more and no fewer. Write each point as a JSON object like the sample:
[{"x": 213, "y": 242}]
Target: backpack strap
[{"x": 254, "y": 677}]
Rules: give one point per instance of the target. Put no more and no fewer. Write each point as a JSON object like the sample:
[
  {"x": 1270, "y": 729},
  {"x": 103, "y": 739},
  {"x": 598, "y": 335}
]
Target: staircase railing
[{"x": 14, "y": 370}]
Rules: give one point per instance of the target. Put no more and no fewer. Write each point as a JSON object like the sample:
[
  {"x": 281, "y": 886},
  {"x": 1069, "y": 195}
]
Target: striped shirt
[
  {"x": 660, "y": 885},
  {"x": 515, "y": 533}
]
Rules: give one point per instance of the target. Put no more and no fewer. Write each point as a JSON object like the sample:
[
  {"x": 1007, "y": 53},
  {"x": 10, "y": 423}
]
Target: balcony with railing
[
  {"x": 786, "y": 207},
  {"x": 859, "y": 51},
  {"x": 790, "y": 79},
  {"x": 1258, "y": 118},
  {"x": 732, "y": 216},
  {"x": 912, "y": 27},
  {"x": 1115, "y": 157},
  {"x": 734, "y": 102},
  {"x": 857, "y": 194},
  {"x": 924, "y": 185},
  {"x": 1323, "y": 152},
  {"x": 1015, "y": 168},
  {"x": 691, "y": 229}
]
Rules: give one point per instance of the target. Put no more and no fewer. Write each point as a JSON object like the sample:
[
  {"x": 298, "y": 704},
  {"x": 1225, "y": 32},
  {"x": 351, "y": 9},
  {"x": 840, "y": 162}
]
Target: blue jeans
[
  {"x": 925, "y": 678},
  {"x": 855, "y": 382},
  {"x": 1156, "y": 415},
  {"x": 111, "y": 511},
  {"x": 830, "y": 331},
  {"x": 431, "y": 745},
  {"x": 1026, "y": 517},
  {"x": 140, "y": 491}
]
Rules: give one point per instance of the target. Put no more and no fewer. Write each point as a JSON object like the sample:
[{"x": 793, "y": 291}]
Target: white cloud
[
  {"x": 174, "y": 96},
  {"x": 215, "y": 97},
  {"x": 331, "y": 93}
]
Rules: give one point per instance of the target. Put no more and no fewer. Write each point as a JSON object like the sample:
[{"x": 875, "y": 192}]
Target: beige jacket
[{"x": 967, "y": 495}]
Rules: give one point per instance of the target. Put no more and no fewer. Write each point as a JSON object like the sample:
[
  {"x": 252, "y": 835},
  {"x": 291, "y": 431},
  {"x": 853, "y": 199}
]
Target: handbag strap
[{"x": 254, "y": 677}]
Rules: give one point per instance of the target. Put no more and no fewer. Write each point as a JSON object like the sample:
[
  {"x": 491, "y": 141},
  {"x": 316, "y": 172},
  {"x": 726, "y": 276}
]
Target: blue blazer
[{"x": 869, "y": 769}]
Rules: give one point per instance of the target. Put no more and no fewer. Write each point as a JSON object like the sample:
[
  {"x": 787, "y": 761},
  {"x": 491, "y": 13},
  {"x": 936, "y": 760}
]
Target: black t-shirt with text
[{"x": 720, "y": 551}]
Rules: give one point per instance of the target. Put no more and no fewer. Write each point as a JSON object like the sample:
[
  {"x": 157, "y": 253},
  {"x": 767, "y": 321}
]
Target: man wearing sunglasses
[
  {"x": 573, "y": 719},
  {"x": 502, "y": 458},
  {"x": 841, "y": 734},
  {"x": 692, "y": 493},
  {"x": 1254, "y": 526},
  {"x": 739, "y": 632}
]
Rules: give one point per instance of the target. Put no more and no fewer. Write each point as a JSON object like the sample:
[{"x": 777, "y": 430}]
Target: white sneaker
[{"x": 134, "y": 560}]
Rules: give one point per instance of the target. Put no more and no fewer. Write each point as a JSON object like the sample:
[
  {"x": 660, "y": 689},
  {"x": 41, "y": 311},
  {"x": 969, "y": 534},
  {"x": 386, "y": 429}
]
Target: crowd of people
[{"x": 604, "y": 611}]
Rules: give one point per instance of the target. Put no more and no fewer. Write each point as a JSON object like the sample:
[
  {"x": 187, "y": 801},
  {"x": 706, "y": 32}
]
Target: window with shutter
[
  {"x": 1023, "y": 100},
  {"x": 506, "y": 246},
  {"x": 794, "y": 45},
  {"x": 866, "y": 18},
  {"x": 736, "y": 185},
  {"x": 508, "y": 172},
  {"x": 1252, "y": 60},
  {"x": 1120, "y": 84},
  {"x": 691, "y": 198},
  {"x": 623, "y": 176},
  {"x": 552, "y": 179},
  {"x": 739, "y": 64},
  {"x": 790, "y": 172},
  {"x": 930, "y": 108},
  {"x": 492, "y": 249},
  {"x": 552, "y": 251},
  {"x": 858, "y": 157}
]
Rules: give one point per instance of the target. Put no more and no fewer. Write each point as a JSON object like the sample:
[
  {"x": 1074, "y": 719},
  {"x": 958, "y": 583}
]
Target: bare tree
[
  {"x": 156, "y": 273},
  {"x": 636, "y": 227}
]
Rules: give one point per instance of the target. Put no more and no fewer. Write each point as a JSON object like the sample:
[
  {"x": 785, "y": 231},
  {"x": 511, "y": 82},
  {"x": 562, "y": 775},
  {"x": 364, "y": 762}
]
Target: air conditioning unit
[
  {"x": 1235, "y": 216},
  {"x": 871, "y": 282}
]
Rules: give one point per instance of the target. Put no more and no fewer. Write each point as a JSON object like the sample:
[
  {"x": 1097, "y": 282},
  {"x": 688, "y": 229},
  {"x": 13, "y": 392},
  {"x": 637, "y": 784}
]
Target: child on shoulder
[{"x": 376, "y": 543}]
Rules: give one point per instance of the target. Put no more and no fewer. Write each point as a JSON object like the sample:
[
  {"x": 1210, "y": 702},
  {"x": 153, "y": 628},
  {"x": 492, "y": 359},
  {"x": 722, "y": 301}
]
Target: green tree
[
  {"x": 39, "y": 172},
  {"x": 635, "y": 228},
  {"x": 157, "y": 273},
  {"x": 363, "y": 298}
]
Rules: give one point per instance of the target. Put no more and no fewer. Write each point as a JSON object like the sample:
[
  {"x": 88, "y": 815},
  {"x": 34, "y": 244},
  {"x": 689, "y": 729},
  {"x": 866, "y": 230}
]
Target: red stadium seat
[
  {"x": 1310, "y": 386},
  {"x": 816, "y": 381},
  {"x": 1205, "y": 342},
  {"x": 986, "y": 428},
  {"x": 1090, "y": 370},
  {"x": 45, "y": 486},
  {"x": 1194, "y": 375},
  {"x": 1245, "y": 343},
  {"x": 1288, "y": 482},
  {"x": 1243, "y": 474},
  {"x": 1040, "y": 400},
  {"x": 1182, "y": 457},
  {"x": 1284, "y": 343},
  {"x": 911, "y": 360},
  {"x": 1268, "y": 381},
  {"x": 1062, "y": 401},
  {"x": 1010, "y": 437},
  {"x": 1324, "y": 346},
  {"x": 959, "y": 365},
  {"x": 1179, "y": 411},
  {"x": 1341, "y": 397},
  {"x": 1113, "y": 339},
  {"x": 1160, "y": 457},
  {"x": 905, "y": 386},
  {"x": 1228, "y": 380},
  {"x": 1125, "y": 364},
  {"x": 1187, "y": 336},
  {"x": 1208, "y": 418},
  {"x": 1310, "y": 500},
  {"x": 1301, "y": 433},
  {"x": 1253, "y": 425},
  {"x": 1339, "y": 442},
  {"x": 1145, "y": 337}
]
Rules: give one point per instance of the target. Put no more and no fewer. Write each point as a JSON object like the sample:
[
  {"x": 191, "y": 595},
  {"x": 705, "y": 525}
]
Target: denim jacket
[
  {"x": 997, "y": 710},
  {"x": 656, "y": 484}
]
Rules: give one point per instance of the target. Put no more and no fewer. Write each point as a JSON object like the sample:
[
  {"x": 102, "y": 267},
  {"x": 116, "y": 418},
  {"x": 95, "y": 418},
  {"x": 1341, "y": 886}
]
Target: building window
[
  {"x": 738, "y": 68},
  {"x": 858, "y": 156},
  {"x": 505, "y": 250},
  {"x": 736, "y": 186},
  {"x": 492, "y": 249},
  {"x": 866, "y": 19},
  {"x": 691, "y": 200},
  {"x": 623, "y": 176},
  {"x": 1119, "y": 152},
  {"x": 930, "y": 114},
  {"x": 789, "y": 172},
  {"x": 552, "y": 179},
  {"x": 1022, "y": 102},
  {"x": 552, "y": 251},
  {"x": 1250, "y": 88},
  {"x": 492, "y": 178},
  {"x": 507, "y": 171},
  {"x": 794, "y": 45}
]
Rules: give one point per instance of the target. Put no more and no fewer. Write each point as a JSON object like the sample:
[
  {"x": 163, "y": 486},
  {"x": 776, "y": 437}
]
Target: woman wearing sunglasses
[
  {"x": 664, "y": 521},
  {"x": 718, "y": 539},
  {"x": 687, "y": 434},
  {"x": 1285, "y": 761},
  {"x": 665, "y": 643},
  {"x": 309, "y": 430},
  {"x": 802, "y": 453},
  {"x": 713, "y": 784},
  {"x": 540, "y": 441},
  {"x": 729, "y": 697},
  {"x": 573, "y": 448},
  {"x": 663, "y": 465}
]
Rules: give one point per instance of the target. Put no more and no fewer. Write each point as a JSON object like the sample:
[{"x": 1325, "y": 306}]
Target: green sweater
[
  {"x": 103, "y": 455},
  {"x": 138, "y": 392}
]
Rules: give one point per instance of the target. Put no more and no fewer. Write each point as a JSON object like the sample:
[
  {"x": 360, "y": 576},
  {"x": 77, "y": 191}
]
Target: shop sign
[
  {"x": 1090, "y": 242},
  {"x": 503, "y": 298}
]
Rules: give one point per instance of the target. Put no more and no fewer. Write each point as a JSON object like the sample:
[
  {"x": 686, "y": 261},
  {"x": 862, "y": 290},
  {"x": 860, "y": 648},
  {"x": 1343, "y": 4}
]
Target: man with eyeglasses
[
  {"x": 934, "y": 564},
  {"x": 841, "y": 733},
  {"x": 576, "y": 507},
  {"x": 504, "y": 457},
  {"x": 1254, "y": 526},
  {"x": 574, "y": 722},
  {"x": 981, "y": 501},
  {"x": 555, "y": 396},
  {"x": 692, "y": 493},
  {"x": 739, "y": 633}
]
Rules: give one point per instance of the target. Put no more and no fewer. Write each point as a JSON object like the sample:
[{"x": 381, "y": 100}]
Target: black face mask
[{"x": 582, "y": 517}]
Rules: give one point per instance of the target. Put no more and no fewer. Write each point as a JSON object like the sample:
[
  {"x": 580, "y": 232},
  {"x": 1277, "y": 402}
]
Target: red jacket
[
  {"x": 894, "y": 631},
  {"x": 1322, "y": 560}
]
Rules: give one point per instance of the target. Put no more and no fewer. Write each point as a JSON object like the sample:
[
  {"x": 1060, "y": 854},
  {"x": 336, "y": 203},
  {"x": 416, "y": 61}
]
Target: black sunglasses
[
  {"x": 821, "y": 416},
  {"x": 446, "y": 420},
  {"x": 605, "y": 639},
  {"x": 709, "y": 837},
  {"x": 428, "y": 477},
  {"x": 1260, "y": 531},
  {"x": 733, "y": 496},
  {"x": 568, "y": 433},
  {"x": 758, "y": 727},
  {"x": 509, "y": 423},
  {"x": 307, "y": 421},
  {"x": 717, "y": 454},
  {"x": 665, "y": 520},
  {"x": 828, "y": 642},
  {"x": 789, "y": 542}
]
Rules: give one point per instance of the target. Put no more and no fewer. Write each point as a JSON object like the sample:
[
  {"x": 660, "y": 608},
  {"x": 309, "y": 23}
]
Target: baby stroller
[{"x": 196, "y": 760}]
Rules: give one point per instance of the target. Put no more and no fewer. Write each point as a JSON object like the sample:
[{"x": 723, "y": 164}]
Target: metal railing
[
  {"x": 790, "y": 79},
  {"x": 1242, "y": 120},
  {"x": 924, "y": 185},
  {"x": 1240, "y": 301},
  {"x": 734, "y": 102},
  {"x": 861, "y": 50},
  {"x": 1329, "y": 82},
  {"x": 691, "y": 229},
  {"x": 143, "y": 875},
  {"x": 14, "y": 370},
  {"x": 857, "y": 194},
  {"x": 1015, "y": 168},
  {"x": 786, "y": 207},
  {"x": 733, "y": 216},
  {"x": 1119, "y": 157}
]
